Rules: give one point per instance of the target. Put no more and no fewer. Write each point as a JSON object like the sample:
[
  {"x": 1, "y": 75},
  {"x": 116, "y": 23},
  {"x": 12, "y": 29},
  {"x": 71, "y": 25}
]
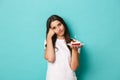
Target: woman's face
[{"x": 58, "y": 28}]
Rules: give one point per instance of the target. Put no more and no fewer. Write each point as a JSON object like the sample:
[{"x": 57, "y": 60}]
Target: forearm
[
  {"x": 50, "y": 54},
  {"x": 74, "y": 59}
]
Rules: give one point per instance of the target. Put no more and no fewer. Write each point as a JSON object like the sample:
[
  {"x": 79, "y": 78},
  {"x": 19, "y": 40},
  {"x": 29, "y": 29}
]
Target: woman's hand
[
  {"x": 50, "y": 33},
  {"x": 49, "y": 52},
  {"x": 75, "y": 55}
]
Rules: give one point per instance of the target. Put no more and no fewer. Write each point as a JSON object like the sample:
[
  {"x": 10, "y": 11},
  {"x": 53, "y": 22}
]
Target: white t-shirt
[{"x": 60, "y": 69}]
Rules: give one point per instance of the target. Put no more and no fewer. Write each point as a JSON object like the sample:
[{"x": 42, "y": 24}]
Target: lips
[{"x": 60, "y": 32}]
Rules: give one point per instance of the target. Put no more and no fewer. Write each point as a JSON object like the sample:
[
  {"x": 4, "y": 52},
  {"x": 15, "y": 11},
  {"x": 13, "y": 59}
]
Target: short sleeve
[
  {"x": 45, "y": 43},
  {"x": 79, "y": 49}
]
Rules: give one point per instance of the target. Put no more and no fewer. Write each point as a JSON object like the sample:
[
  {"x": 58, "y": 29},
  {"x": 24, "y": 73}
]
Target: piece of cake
[{"x": 75, "y": 43}]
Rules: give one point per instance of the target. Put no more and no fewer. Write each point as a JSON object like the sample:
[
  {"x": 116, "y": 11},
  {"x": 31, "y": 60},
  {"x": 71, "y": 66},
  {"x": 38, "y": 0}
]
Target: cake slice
[{"x": 75, "y": 43}]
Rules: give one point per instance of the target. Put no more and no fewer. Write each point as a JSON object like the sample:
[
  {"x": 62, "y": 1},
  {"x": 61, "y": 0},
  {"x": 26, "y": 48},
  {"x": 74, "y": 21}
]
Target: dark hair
[{"x": 66, "y": 34}]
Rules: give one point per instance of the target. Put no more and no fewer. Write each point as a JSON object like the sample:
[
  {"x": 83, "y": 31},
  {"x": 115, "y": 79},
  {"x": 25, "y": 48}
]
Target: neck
[{"x": 60, "y": 37}]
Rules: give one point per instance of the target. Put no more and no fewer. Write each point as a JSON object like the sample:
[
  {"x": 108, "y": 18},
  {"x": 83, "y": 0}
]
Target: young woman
[{"x": 62, "y": 58}]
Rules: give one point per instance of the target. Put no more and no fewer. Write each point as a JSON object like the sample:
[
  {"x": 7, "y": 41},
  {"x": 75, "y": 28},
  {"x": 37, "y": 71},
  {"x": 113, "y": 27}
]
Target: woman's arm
[
  {"x": 74, "y": 59},
  {"x": 49, "y": 51}
]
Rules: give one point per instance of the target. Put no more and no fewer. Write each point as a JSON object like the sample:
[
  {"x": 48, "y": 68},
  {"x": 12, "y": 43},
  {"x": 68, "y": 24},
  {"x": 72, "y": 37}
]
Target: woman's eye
[
  {"x": 59, "y": 24},
  {"x": 53, "y": 28}
]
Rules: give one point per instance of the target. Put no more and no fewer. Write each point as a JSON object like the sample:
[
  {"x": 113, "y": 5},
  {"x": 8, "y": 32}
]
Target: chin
[{"x": 62, "y": 34}]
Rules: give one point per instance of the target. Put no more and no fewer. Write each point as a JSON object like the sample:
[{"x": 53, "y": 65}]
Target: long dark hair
[{"x": 66, "y": 34}]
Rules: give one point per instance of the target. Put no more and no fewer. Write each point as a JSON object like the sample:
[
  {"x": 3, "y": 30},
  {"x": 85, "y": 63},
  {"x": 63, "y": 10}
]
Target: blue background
[{"x": 22, "y": 33}]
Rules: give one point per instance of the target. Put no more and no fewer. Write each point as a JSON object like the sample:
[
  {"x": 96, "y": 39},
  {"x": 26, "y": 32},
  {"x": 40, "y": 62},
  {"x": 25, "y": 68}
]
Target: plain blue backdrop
[{"x": 22, "y": 35}]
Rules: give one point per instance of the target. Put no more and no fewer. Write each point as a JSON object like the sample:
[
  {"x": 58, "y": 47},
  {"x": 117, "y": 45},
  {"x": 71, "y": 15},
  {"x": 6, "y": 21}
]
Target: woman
[{"x": 62, "y": 58}]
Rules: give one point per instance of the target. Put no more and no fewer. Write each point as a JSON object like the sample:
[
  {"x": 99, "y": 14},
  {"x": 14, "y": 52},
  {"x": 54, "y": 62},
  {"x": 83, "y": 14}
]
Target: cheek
[
  {"x": 56, "y": 31},
  {"x": 63, "y": 28}
]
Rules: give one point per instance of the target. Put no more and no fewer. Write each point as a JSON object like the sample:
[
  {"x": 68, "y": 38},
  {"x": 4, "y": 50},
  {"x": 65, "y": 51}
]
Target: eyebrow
[
  {"x": 57, "y": 25},
  {"x": 53, "y": 27}
]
